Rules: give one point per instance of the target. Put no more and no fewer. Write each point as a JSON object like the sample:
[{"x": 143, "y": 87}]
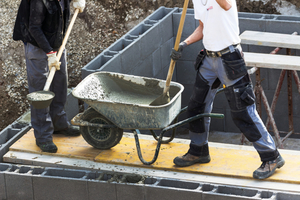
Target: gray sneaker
[{"x": 268, "y": 168}]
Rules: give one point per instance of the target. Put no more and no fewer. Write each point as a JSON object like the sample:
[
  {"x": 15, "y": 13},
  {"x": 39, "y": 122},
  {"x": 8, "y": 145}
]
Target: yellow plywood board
[{"x": 225, "y": 161}]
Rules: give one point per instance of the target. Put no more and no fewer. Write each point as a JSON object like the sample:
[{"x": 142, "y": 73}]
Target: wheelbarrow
[{"x": 120, "y": 101}]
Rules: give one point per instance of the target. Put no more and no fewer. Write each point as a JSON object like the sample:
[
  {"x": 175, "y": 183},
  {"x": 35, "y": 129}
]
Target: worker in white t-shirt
[{"x": 221, "y": 62}]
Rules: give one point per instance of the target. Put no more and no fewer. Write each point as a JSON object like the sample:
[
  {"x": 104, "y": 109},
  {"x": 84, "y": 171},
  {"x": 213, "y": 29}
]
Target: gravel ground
[
  {"x": 94, "y": 30},
  {"x": 101, "y": 24}
]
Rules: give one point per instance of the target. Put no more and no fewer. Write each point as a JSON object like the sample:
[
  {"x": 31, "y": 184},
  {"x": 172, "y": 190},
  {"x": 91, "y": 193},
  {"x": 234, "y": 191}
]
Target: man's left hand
[{"x": 79, "y": 4}]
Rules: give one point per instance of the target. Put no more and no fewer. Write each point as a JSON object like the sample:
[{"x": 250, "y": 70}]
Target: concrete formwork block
[
  {"x": 99, "y": 189},
  {"x": 185, "y": 72},
  {"x": 169, "y": 189},
  {"x": 71, "y": 106},
  {"x": 283, "y": 24},
  {"x": 156, "y": 62},
  {"x": 19, "y": 183},
  {"x": 190, "y": 53},
  {"x": 267, "y": 195},
  {"x": 150, "y": 42},
  {"x": 60, "y": 184},
  {"x": 8, "y": 136},
  {"x": 95, "y": 64},
  {"x": 230, "y": 193},
  {"x": 186, "y": 94},
  {"x": 3, "y": 168},
  {"x": 165, "y": 27},
  {"x": 165, "y": 51},
  {"x": 161, "y": 13},
  {"x": 112, "y": 65},
  {"x": 273, "y": 78},
  {"x": 23, "y": 121},
  {"x": 130, "y": 57},
  {"x": 251, "y": 21},
  {"x": 288, "y": 196},
  {"x": 143, "y": 68},
  {"x": 130, "y": 191},
  {"x": 189, "y": 23}
]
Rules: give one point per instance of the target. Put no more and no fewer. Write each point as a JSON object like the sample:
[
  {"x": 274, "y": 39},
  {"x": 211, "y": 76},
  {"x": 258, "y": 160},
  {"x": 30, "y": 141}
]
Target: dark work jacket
[{"x": 44, "y": 25}]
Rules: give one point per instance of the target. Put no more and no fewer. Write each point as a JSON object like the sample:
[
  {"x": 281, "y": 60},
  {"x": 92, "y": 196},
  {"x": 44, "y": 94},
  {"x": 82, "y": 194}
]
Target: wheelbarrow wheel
[{"x": 100, "y": 138}]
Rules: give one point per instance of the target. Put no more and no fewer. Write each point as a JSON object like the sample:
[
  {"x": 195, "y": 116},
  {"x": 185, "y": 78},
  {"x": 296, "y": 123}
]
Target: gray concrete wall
[
  {"x": 144, "y": 51},
  {"x": 34, "y": 182}
]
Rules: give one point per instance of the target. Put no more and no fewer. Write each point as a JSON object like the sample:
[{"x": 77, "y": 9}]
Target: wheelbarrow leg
[{"x": 159, "y": 141}]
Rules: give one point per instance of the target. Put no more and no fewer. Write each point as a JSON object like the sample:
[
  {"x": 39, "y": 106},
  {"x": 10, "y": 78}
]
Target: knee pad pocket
[{"x": 240, "y": 96}]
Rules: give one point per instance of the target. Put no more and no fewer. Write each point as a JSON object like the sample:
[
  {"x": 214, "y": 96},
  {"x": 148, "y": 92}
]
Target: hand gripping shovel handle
[
  {"x": 61, "y": 49},
  {"x": 178, "y": 37}
]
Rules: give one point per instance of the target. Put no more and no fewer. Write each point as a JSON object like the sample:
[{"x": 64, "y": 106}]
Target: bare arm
[
  {"x": 196, "y": 35},
  {"x": 225, "y": 4}
]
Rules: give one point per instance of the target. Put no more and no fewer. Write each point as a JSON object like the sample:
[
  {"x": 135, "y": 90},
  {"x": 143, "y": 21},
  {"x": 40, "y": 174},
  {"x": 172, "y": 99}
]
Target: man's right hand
[
  {"x": 79, "y": 4},
  {"x": 175, "y": 55},
  {"x": 53, "y": 60}
]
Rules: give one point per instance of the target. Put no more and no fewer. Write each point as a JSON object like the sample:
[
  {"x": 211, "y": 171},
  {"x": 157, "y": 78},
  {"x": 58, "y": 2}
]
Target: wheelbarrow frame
[{"x": 79, "y": 122}]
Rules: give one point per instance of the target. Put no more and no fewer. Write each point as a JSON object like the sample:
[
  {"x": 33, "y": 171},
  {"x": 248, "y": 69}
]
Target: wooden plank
[
  {"x": 272, "y": 61},
  {"x": 271, "y": 39}
]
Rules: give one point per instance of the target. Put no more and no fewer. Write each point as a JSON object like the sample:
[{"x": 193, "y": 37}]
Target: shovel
[
  {"x": 165, "y": 97},
  {"x": 42, "y": 99}
]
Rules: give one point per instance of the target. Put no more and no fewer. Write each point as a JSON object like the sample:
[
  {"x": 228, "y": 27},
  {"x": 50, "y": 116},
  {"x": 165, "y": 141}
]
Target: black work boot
[
  {"x": 49, "y": 147},
  {"x": 195, "y": 155},
  {"x": 71, "y": 131},
  {"x": 268, "y": 168}
]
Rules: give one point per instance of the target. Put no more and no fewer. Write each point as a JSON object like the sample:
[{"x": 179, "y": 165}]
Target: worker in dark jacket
[{"x": 41, "y": 25}]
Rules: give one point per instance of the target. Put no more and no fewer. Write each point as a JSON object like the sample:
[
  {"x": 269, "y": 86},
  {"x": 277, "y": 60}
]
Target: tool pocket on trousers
[
  {"x": 244, "y": 96},
  {"x": 240, "y": 96},
  {"x": 199, "y": 60},
  {"x": 235, "y": 69}
]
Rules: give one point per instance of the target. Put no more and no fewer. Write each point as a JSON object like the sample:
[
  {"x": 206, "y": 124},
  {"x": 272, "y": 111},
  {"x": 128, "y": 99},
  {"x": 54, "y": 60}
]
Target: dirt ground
[{"x": 102, "y": 23}]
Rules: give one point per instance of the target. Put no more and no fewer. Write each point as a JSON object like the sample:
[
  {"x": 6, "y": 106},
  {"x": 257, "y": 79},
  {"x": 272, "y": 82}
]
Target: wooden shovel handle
[
  {"x": 61, "y": 49},
  {"x": 177, "y": 41}
]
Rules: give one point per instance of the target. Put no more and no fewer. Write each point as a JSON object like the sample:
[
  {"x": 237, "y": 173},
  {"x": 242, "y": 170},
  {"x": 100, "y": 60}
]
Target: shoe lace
[{"x": 263, "y": 164}]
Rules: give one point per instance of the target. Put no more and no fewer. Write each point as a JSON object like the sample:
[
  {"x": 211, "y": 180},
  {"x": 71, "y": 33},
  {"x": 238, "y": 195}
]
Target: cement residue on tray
[{"x": 93, "y": 90}]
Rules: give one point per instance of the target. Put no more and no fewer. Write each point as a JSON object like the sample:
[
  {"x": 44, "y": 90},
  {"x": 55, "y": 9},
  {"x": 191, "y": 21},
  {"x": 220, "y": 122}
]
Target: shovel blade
[
  {"x": 40, "y": 99},
  {"x": 161, "y": 100}
]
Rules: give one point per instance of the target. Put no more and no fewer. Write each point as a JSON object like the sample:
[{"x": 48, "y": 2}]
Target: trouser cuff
[
  {"x": 268, "y": 156},
  {"x": 199, "y": 150}
]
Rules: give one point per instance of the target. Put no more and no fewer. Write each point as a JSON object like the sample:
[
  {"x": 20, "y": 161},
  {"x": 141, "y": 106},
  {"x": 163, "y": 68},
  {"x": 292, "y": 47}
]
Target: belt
[{"x": 215, "y": 54}]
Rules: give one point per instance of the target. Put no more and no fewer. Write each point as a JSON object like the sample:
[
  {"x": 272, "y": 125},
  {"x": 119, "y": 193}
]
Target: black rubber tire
[{"x": 100, "y": 138}]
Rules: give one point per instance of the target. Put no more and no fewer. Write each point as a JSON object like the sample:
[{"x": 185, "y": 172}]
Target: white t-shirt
[{"x": 220, "y": 27}]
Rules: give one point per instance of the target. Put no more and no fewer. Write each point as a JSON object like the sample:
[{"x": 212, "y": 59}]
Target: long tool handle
[
  {"x": 177, "y": 41},
  {"x": 61, "y": 49}
]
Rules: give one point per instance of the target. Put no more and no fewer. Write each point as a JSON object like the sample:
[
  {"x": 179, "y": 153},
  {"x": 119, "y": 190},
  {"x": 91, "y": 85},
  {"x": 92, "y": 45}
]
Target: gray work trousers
[
  {"x": 211, "y": 69},
  {"x": 53, "y": 118}
]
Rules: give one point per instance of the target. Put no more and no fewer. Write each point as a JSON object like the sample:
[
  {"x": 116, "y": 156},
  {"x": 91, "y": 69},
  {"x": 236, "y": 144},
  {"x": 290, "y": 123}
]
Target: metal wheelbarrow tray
[{"x": 124, "y": 99}]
